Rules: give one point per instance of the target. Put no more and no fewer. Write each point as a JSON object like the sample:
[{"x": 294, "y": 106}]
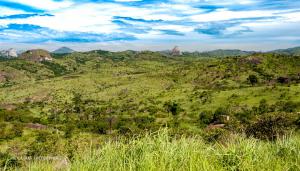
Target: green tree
[
  {"x": 173, "y": 108},
  {"x": 252, "y": 79}
]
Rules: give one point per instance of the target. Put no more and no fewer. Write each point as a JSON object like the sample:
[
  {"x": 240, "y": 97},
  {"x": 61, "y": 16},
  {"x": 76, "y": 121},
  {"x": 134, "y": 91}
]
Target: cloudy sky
[{"x": 150, "y": 24}]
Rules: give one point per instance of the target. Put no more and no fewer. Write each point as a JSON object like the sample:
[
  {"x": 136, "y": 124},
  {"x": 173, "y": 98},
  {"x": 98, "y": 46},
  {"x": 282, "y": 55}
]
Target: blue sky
[{"x": 150, "y": 24}]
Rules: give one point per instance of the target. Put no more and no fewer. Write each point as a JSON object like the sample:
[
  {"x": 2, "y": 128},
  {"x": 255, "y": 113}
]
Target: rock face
[
  {"x": 10, "y": 53},
  {"x": 63, "y": 50},
  {"x": 176, "y": 51},
  {"x": 36, "y": 55}
]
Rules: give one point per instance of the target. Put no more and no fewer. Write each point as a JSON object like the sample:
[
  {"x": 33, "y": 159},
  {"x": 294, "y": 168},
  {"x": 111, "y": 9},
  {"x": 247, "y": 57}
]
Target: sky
[{"x": 193, "y": 25}]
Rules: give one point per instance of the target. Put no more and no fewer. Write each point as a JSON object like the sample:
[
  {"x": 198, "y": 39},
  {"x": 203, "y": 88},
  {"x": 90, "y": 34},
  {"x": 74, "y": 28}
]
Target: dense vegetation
[{"x": 234, "y": 111}]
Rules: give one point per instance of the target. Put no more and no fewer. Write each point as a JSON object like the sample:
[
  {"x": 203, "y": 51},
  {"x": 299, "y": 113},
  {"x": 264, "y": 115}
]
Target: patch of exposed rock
[{"x": 36, "y": 55}]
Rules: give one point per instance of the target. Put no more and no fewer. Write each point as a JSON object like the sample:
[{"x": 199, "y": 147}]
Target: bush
[
  {"x": 173, "y": 108},
  {"x": 8, "y": 161},
  {"x": 288, "y": 106},
  {"x": 144, "y": 122},
  {"x": 46, "y": 143},
  {"x": 214, "y": 135},
  {"x": 100, "y": 128},
  {"x": 206, "y": 117},
  {"x": 8, "y": 131},
  {"x": 219, "y": 113},
  {"x": 252, "y": 79},
  {"x": 270, "y": 127}
]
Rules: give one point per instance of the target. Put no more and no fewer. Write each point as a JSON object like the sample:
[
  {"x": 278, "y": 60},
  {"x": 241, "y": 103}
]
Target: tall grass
[{"x": 161, "y": 152}]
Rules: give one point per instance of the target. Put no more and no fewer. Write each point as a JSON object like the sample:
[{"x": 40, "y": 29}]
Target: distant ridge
[
  {"x": 289, "y": 51},
  {"x": 63, "y": 50},
  {"x": 235, "y": 52},
  {"x": 219, "y": 53},
  {"x": 226, "y": 53}
]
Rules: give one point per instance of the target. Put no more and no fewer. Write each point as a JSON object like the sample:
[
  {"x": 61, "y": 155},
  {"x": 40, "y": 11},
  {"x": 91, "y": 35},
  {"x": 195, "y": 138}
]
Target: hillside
[
  {"x": 58, "y": 107},
  {"x": 223, "y": 53},
  {"x": 289, "y": 51}
]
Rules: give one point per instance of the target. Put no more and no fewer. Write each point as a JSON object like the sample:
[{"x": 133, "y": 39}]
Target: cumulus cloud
[{"x": 90, "y": 21}]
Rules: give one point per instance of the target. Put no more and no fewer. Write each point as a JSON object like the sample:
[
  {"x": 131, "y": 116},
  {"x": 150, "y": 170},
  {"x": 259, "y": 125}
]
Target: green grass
[{"x": 160, "y": 151}]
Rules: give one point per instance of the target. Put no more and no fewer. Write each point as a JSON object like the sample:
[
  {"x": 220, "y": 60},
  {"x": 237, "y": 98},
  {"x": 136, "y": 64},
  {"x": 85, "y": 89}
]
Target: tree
[
  {"x": 77, "y": 102},
  {"x": 173, "y": 108},
  {"x": 263, "y": 106},
  {"x": 252, "y": 79}
]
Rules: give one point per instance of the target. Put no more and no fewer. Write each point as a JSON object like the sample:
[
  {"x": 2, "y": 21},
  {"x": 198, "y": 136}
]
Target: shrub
[
  {"x": 245, "y": 116},
  {"x": 270, "y": 127},
  {"x": 8, "y": 161},
  {"x": 252, "y": 79},
  {"x": 288, "y": 106},
  {"x": 125, "y": 130},
  {"x": 100, "y": 127},
  {"x": 8, "y": 131},
  {"x": 144, "y": 122},
  {"x": 69, "y": 130},
  {"x": 263, "y": 107},
  {"x": 283, "y": 80},
  {"x": 219, "y": 113},
  {"x": 173, "y": 108},
  {"x": 214, "y": 135},
  {"x": 206, "y": 117},
  {"x": 57, "y": 69},
  {"x": 46, "y": 143}
]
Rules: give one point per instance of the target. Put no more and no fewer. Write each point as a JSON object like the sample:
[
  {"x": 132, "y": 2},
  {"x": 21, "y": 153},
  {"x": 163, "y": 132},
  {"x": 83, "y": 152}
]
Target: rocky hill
[
  {"x": 10, "y": 53},
  {"x": 36, "y": 55}
]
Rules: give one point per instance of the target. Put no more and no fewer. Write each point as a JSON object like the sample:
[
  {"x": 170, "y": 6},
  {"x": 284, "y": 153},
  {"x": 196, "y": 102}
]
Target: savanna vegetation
[{"x": 131, "y": 110}]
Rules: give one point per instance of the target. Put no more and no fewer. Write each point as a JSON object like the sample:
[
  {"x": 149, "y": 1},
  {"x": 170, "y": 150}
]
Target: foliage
[
  {"x": 252, "y": 79},
  {"x": 271, "y": 127}
]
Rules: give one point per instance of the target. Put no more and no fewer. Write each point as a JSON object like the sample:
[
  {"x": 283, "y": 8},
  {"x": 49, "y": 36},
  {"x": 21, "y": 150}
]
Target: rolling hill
[{"x": 289, "y": 51}]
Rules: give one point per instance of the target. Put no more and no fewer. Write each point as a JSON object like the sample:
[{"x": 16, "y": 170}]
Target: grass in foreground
[{"x": 161, "y": 152}]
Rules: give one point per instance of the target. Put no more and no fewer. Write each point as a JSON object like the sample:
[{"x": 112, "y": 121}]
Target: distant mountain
[
  {"x": 36, "y": 55},
  {"x": 220, "y": 53},
  {"x": 289, "y": 51},
  {"x": 63, "y": 50},
  {"x": 10, "y": 53}
]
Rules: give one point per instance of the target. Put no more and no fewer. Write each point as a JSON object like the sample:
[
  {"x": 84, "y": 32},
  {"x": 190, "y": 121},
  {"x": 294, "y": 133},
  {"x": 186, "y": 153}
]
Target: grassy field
[{"x": 160, "y": 151}]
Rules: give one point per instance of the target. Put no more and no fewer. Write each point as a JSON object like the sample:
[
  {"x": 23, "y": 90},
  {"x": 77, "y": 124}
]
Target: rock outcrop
[
  {"x": 176, "y": 51},
  {"x": 10, "y": 53},
  {"x": 36, "y": 55}
]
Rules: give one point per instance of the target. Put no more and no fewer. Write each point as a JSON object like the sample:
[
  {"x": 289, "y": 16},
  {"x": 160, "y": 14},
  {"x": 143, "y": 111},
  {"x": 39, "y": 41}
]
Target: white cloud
[
  {"x": 8, "y": 11},
  {"x": 180, "y": 15},
  {"x": 223, "y": 14},
  {"x": 45, "y": 4},
  {"x": 127, "y": 0}
]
